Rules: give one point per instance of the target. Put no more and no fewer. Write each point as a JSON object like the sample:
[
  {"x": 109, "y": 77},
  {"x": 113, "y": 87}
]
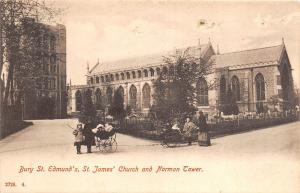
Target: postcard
[{"x": 149, "y": 96}]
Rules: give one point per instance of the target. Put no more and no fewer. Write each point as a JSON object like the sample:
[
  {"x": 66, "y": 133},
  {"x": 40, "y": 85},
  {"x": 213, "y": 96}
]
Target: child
[
  {"x": 108, "y": 127},
  {"x": 175, "y": 126},
  {"x": 78, "y": 137}
]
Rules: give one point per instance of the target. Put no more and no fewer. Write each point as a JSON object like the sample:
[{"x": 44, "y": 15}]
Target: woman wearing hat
[
  {"x": 89, "y": 135},
  {"x": 203, "y": 135}
]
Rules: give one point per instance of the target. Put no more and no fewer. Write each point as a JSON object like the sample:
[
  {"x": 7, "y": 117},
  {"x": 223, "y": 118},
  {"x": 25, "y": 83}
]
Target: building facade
[
  {"x": 52, "y": 91},
  {"x": 45, "y": 94},
  {"x": 254, "y": 76}
]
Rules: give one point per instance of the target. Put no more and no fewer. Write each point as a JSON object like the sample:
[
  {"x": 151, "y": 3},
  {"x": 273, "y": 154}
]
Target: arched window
[
  {"x": 122, "y": 76},
  {"x": 145, "y": 73},
  {"x": 109, "y": 93},
  {"x": 235, "y": 87},
  {"x": 102, "y": 78},
  {"x": 88, "y": 95},
  {"x": 98, "y": 99},
  {"x": 128, "y": 75},
  {"x": 111, "y": 77},
  {"x": 139, "y": 74},
  {"x": 133, "y": 74},
  {"x": 92, "y": 80},
  {"x": 222, "y": 89},
  {"x": 132, "y": 96},
  {"x": 78, "y": 101},
  {"x": 97, "y": 79},
  {"x": 151, "y": 72},
  {"x": 157, "y": 71},
  {"x": 121, "y": 90},
  {"x": 146, "y": 96},
  {"x": 202, "y": 92},
  {"x": 260, "y": 87},
  {"x": 106, "y": 78},
  {"x": 117, "y": 77}
]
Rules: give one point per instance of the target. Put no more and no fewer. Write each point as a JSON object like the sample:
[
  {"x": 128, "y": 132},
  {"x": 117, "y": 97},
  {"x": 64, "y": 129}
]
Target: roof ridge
[
  {"x": 130, "y": 58},
  {"x": 249, "y": 50},
  {"x": 153, "y": 54},
  {"x": 97, "y": 64},
  {"x": 143, "y": 60}
]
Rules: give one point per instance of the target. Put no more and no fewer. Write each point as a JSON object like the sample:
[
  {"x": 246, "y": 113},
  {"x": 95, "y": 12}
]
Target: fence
[
  {"x": 258, "y": 107},
  {"x": 145, "y": 128},
  {"x": 139, "y": 123},
  {"x": 145, "y": 122},
  {"x": 269, "y": 114},
  {"x": 225, "y": 127}
]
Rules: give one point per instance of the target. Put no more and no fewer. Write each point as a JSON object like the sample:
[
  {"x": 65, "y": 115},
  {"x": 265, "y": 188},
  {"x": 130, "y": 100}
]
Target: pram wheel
[{"x": 108, "y": 146}]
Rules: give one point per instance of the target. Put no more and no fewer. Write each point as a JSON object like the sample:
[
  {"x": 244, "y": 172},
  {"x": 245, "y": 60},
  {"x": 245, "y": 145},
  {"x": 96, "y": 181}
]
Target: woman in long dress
[
  {"x": 89, "y": 135},
  {"x": 203, "y": 134}
]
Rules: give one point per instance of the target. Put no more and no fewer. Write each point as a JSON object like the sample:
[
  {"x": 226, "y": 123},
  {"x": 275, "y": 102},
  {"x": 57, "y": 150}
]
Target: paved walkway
[{"x": 265, "y": 160}]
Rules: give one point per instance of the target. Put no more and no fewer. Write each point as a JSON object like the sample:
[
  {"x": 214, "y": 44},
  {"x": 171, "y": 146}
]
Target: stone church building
[{"x": 254, "y": 76}]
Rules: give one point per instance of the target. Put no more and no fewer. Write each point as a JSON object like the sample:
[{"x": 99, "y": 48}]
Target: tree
[
  {"x": 128, "y": 110},
  {"x": 88, "y": 109},
  {"x": 117, "y": 107},
  {"x": 175, "y": 92},
  {"x": 161, "y": 107},
  {"x": 19, "y": 38}
]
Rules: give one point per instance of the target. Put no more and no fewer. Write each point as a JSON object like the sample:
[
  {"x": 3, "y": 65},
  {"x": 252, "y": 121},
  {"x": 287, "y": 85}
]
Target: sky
[{"x": 107, "y": 31}]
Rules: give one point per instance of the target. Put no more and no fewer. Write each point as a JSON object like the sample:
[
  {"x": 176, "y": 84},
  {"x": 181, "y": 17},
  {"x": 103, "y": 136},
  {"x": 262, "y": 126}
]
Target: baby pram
[{"x": 106, "y": 140}]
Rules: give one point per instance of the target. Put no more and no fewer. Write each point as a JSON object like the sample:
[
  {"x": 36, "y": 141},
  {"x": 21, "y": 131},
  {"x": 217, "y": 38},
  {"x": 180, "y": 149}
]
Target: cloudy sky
[{"x": 120, "y": 29}]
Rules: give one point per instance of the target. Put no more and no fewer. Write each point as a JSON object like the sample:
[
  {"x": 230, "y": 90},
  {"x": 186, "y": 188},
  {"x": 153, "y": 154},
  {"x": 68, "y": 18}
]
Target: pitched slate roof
[
  {"x": 143, "y": 61},
  {"x": 254, "y": 56}
]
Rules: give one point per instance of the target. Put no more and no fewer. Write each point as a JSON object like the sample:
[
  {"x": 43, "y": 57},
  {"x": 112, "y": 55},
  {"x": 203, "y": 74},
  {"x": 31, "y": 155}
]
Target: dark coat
[
  {"x": 88, "y": 134},
  {"x": 203, "y": 127}
]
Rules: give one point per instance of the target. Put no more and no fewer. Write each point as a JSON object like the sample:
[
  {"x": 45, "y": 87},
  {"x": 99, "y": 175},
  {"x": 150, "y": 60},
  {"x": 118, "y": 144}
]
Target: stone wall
[
  {"x": 103, "y": 89},
  {"x": 245, "y": 74}
]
